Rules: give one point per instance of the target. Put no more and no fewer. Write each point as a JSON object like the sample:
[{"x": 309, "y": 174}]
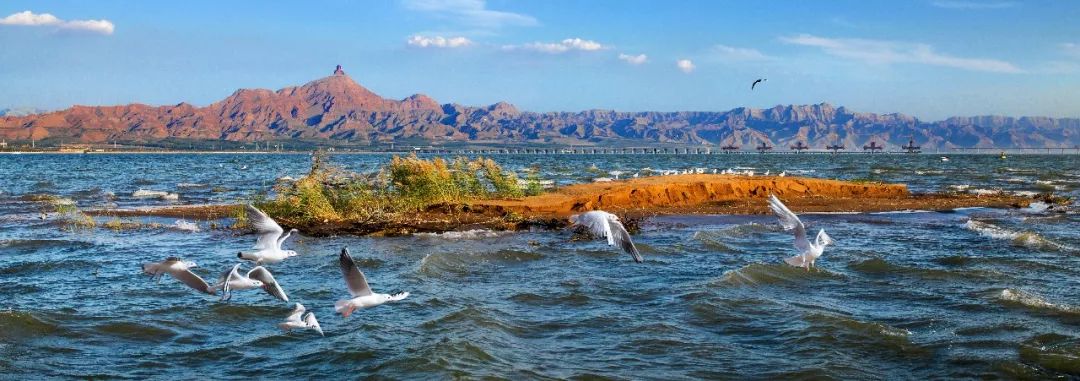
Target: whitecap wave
[
  {"x": 144, "y": 193},
  {"x": 186, "y": 226},
  {"x": 465, "y": 234},
  {"x": 985, "y": 192},
  {"x": 1022, "y": 238},
  {"x": 1035, "y": 301},
  {"x": 905, "y": 211}
]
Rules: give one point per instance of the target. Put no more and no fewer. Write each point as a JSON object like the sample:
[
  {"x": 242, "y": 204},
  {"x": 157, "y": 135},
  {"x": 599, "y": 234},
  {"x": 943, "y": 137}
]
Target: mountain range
[{"x": 337, "y": 109}]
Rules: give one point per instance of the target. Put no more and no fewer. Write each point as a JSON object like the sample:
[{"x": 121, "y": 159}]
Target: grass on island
[{"x": 402, "y": 188}]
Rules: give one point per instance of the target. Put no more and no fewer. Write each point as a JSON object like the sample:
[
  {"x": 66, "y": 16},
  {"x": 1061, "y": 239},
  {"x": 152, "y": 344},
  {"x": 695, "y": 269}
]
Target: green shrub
[{"x": 405, "y": 185}]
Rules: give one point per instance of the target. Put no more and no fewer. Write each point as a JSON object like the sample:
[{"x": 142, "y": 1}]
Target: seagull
[
  {"x": 808, "y": 251},
  {"x": 362, "y": 296},
  {"x": 944, "y": 158},
  {"x": 268, "y": 247},
  {"x": 607, "y": 225},
  {"x": 759, "y": 80},
  {"x": 298, "y": 320},
  {"x": 258, "y": 277},
  {"x": 179, "y": 269}
]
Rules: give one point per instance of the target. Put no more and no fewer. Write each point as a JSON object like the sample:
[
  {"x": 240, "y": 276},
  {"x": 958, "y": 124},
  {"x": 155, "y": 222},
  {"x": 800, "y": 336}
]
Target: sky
[{"x": 928, "y": 58}]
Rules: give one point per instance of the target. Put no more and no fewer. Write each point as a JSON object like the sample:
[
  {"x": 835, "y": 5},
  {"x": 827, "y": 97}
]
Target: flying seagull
[
  {"x": 298, "y": 320},
  {"x": 362, "y": 296},
  {"x": 179, "y": 269},
  {"x": 258, "y": 277},
  {"x": 808, "y": 251},
  {"x": 268, "y": 246},
  {"x": 607, "y": 225},
  {"x": 759, "y": 80}
]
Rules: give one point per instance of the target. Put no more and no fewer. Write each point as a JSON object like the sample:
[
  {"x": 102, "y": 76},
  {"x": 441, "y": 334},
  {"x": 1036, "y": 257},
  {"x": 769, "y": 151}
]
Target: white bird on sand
[
  {"x": 298, "y": 320},
  {"x": 268, "y": 247},
  {"x": 179, "y": 269},
  {"x": 782, "y": 173},
  {"x": 808, "y": 251},
  {"x": 258, "y": 277},
  {"x": 362, "y": 296},
  {"x": 607, "y": 225}
]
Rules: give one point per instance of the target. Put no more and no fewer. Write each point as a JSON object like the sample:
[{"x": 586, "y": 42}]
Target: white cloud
[
  {"x": 1071, "y": 49},
  {"x": 438, "y": 42},
  {"x": 685, "y": 65},
  {"x": 732, "y": 54},
  {"x": 470, "y": 12},
  {"x": 888, "y": 52},
  {"x": 967, "y": 4},
  {"x": 559, "y": 47},
  {"x": 28, "y": 18},
  {"x": 632, "y": 59}
]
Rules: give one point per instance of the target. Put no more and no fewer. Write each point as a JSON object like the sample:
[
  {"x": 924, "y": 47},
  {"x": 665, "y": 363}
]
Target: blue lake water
[{"x": 976, "y": 293}]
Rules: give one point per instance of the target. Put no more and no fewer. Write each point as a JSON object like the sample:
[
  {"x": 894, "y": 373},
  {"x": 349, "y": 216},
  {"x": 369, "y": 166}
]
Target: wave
[
  {"x": 475, "y": 317},
  {"x": 143, "y": 193},
  {"x": 16, "y": 325},
  {"x": 137, "y": 331},
  {"x": 1033, "y": 301},
  {"x": 757, "y": 274},
  {"x": 436, "y": 264},
  {"x": 845, "y": 329},
  {"x": 1021, "y": 238},
  {"x": 1059, "y": 353},
  {"x": 879, "y": 266},
  {"x": 184, "y": 225},
  {"x": 465, "y": 234},
  {"x": 571, "y": 299},
  {"x": 905, "y": 211}
]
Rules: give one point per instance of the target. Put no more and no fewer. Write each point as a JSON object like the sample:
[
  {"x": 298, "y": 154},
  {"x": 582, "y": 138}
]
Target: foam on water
[
  {"x": 145, "y": 193},
  {"x": 714, "y": 299},
  {"x": 1034, "y": 301},
  {"x": 1022, "y": 238},
  {"x": 465, "y": 234}
]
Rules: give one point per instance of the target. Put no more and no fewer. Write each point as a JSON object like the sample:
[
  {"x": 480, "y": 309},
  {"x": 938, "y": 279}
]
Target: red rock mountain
[{"x": 337, "y": 108}]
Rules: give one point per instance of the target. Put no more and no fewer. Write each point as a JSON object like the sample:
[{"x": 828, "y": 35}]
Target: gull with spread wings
[
  {"x": 808, "y": 251},
  {"x": 298, "y": 319},
  {"x": 179, "y": 269},
  {"x": 362, "y": 296},
  {"x": 258, "y": 277},
  {"x": 271, "y": 236},
  {"x": 606, "y": 225}
]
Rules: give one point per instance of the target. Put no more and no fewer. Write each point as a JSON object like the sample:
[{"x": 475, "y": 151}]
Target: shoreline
[{"x": 633, "y": 200}]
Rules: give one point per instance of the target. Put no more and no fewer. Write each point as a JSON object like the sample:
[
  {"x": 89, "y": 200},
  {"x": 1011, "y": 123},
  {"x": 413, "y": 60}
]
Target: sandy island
[{"x": 633, "y": 199}]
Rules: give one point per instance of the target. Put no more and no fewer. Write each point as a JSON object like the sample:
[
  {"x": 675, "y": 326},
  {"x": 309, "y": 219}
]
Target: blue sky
[{"x": 928, "y": 58}]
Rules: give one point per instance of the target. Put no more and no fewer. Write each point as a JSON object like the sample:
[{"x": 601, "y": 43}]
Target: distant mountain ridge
[{"x": 336, "y": 108}]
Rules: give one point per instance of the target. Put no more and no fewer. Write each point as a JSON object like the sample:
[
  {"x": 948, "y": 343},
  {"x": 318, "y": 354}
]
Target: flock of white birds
[{"x": 268, "y": 250}]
